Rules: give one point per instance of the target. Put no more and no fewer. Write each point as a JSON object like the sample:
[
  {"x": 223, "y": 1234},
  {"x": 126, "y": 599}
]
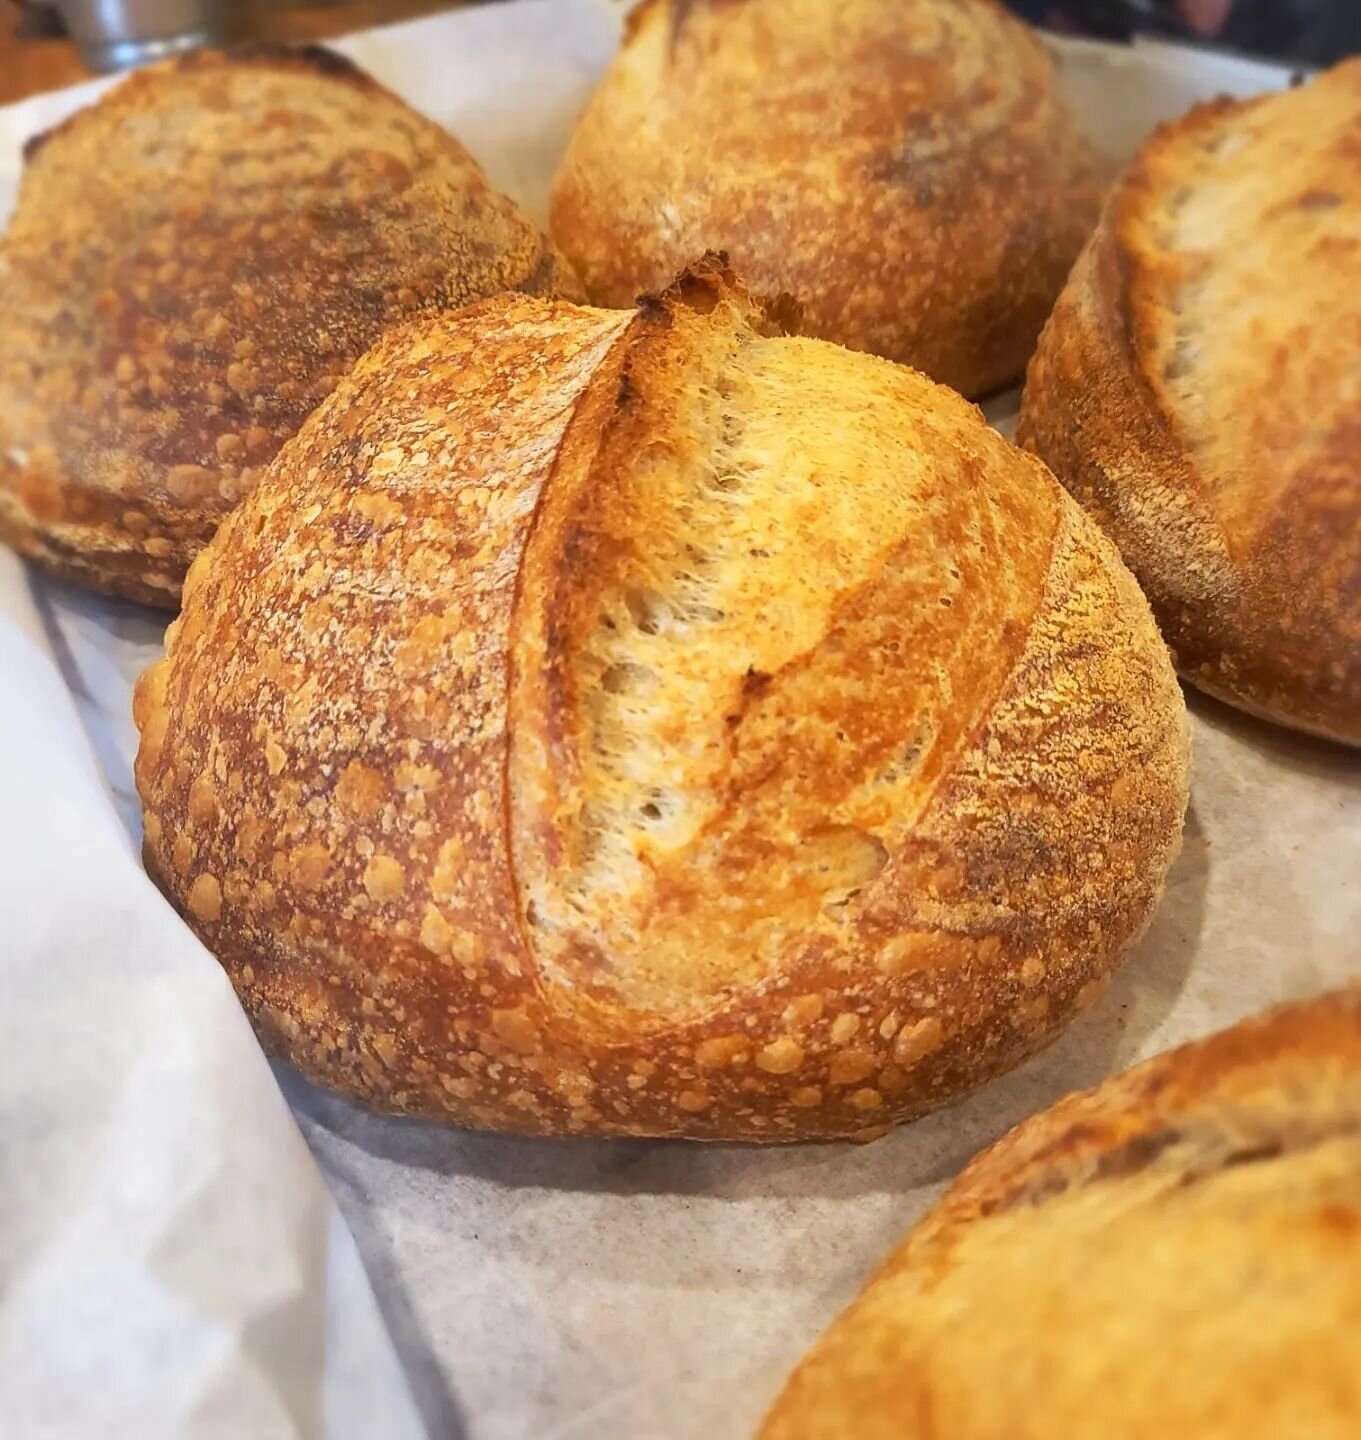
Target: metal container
[{"x": 118, "y": 34}]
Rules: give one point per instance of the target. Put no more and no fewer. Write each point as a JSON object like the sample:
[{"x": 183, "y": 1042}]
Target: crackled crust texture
[
  {"x": 905, "y": 169},
  {"x": 193, "y": 263},
  {"x": 1175, "y": 1253},
  {"x": 1198, "y": 390},
  {"x": 646, "y": 724}
]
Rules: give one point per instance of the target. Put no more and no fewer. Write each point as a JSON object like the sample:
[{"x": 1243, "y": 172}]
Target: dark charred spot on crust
[
  {"x": 699, "y": 293},
  {"x": 651, "y": 308},
  {"x": 542, "y": 278},
  {"x": 1071, "y": 1139},
  {"x": 34, "y": 143},
  {"x": 635, "y": 17},
  {"x": 1204, "y": 1159},
  {"x": 327, "y": 62},
  {"x": 1030, "y": 1195},
  {"x": 256, "y": 52},
  {"x": 699, "y": 287},
  {"x": 39, "y": 142},
  {"x": 681, "y": 11},
  {"x": 755, "y": 683},
  {"x": 1250, "y": 1155},
  {"x": 1136, "y": 1154}
]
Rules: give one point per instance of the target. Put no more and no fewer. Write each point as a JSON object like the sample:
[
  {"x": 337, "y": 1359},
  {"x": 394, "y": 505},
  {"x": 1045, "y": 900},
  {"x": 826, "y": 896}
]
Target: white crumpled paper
[{"x": 170, "y": 1262}]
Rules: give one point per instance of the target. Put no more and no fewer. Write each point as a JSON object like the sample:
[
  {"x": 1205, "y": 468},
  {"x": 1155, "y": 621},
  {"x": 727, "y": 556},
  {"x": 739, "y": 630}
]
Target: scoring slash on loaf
[
  {"x": 1176, "y": 1253},
  {"x": 649, "y": 724},
  {"x": 193, "y": 263},
  {"x": 1198, "y": 390},
  {"x": 905, "y": 169}
]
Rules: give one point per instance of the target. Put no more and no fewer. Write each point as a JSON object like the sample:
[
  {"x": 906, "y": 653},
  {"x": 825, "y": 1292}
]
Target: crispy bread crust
[
  {"x": 904, "y": 168},
  {"x": 193, "y": 263},
  {"x": 502, "y": 803},
  {"x": 1211, "y": 1197},
  {"x": 1195, "y": 389}
]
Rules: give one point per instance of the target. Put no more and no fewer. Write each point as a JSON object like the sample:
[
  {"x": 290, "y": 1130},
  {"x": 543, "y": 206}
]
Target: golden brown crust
[
  {"x": 1194, "y": 389},
  {"x": 653, "y": 725},
  {"x": 904, "y": 168},
  {"x": 193, "y": 263},
  {"x": 1177, "y": 1252}
]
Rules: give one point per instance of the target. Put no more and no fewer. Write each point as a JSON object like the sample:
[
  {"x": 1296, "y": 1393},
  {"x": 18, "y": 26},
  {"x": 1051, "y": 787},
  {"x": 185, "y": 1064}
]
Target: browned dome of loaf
[
  {"x": 1176, "y": 1253},
  {"x": 905, "y": 169},
  {"x": 649, "y": 724},
  {"x": 1198, "y": 390},
  {"x": 193, "y": 263}
]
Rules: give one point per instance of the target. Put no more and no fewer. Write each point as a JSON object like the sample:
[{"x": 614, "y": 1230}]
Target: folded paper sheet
[{"x": 170, "y": 1263}]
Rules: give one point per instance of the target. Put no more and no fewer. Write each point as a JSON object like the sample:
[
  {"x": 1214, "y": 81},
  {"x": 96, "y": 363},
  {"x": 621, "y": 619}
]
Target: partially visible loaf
[
  {"x": 193, "y": 262},
  {"x": 649, "y": 724},
  {"x": 1174, "y": 1254},
  {"x": 1198, "y": 390},
  {"x": 905, "y": 169}
]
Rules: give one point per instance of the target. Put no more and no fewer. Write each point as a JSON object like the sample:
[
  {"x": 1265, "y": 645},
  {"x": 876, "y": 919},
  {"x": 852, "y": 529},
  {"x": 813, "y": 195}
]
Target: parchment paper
[{"x": 618, "y": 1291}]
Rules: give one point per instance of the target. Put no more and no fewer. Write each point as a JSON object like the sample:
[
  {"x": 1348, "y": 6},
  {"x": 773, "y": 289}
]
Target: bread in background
[
  {"x": 1176, "y": 1253},
  {"x": 905, "y": 169},
  {"x": 1198, "y": 389},
  {"x": 194, "y": 261},
  {"x": 648, "y": 724}
]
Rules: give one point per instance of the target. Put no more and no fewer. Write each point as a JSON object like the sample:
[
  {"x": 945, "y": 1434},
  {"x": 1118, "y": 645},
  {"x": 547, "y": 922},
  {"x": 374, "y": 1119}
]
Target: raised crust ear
[{"x": 703, "y": 283}]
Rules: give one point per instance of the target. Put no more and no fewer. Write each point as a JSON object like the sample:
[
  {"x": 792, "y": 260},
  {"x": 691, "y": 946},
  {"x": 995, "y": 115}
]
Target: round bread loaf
[
  {"x": 905, "y": 169},
  {"x": 193, "y": 263},
  {"x": 648, "y": 724},
  {"x": 1198, "y": 390},
  {"x": 1174, "y": 1254}
]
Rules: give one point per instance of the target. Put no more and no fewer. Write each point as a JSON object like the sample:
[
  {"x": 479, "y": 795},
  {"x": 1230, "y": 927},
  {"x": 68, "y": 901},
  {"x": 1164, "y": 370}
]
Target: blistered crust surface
[
  {"x": 1197, "y": 389},
  {"x": 193, "y": 263},
  {"x": 1173, "y": 1253},
  {"x": 878, "y": 825},
  {"x": 904, "y": 168}
]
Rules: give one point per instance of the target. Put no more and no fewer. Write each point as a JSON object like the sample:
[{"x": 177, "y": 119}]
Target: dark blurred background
[{"x": 1316, "y": 32}]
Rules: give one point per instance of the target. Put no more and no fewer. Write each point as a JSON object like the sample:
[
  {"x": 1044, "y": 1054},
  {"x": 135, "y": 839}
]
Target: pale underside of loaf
[
  {"x": 1173, "y": 1254},
  {"x": 599, "y": 724}
]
